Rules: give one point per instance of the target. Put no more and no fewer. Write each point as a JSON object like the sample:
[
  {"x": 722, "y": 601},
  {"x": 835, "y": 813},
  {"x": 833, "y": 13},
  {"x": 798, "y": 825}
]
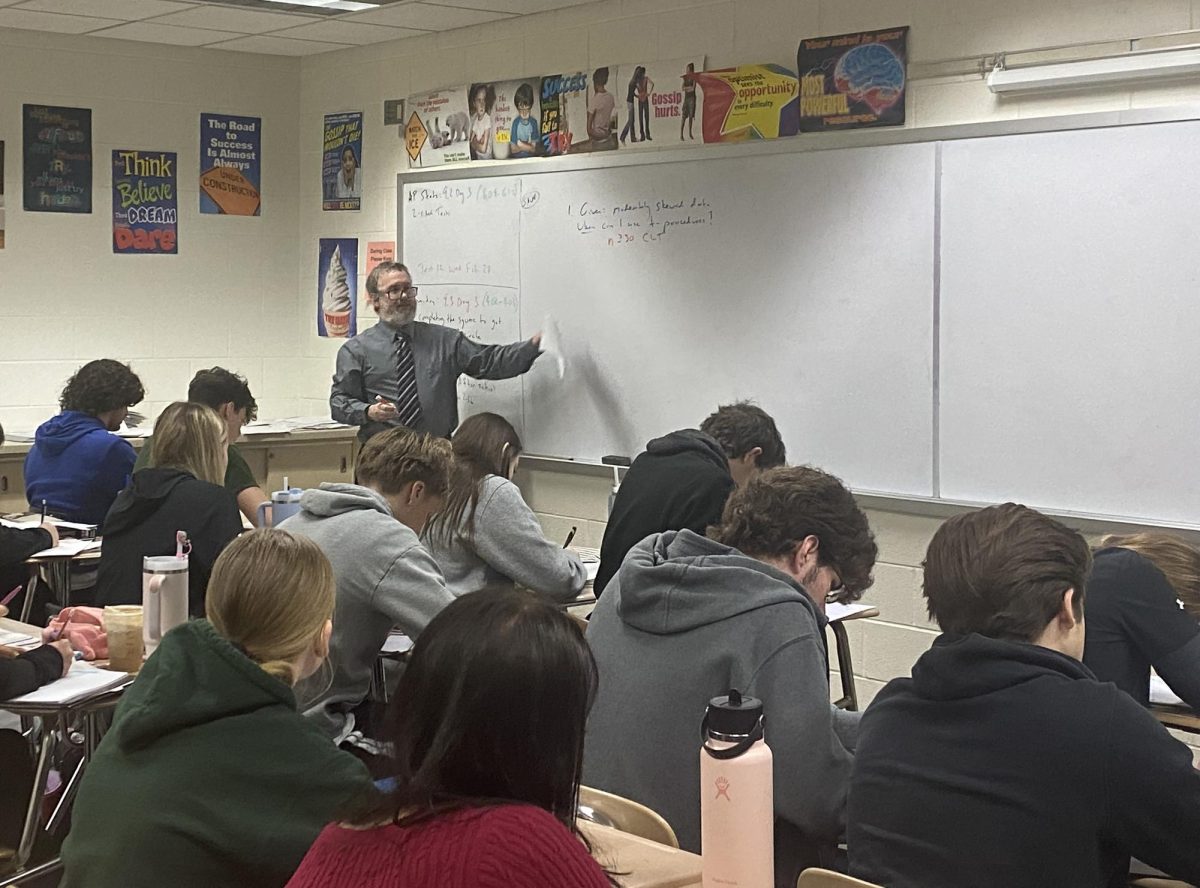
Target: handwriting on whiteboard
[
  {"x": 646, "y": 221},
  {"x": 430, "y": 201}
]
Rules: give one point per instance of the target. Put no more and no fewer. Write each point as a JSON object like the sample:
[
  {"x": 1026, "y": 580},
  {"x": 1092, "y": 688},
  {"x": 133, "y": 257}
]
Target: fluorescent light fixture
[
  {"x": 1130, "y": 68},
  {"x": 346, "y": 5}
]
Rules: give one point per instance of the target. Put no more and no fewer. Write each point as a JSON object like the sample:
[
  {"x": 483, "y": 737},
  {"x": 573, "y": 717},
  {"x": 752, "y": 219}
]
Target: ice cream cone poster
[
  {"x": 337, "y": 267},
  {"x": 749, "y": 102},
  {"x": 341, "y": 164},
  {"x": 439, "y": 127},
  {"x": 145, "y": 202},
  {"x": 656, "y": 102},
  {"x": 230, "y": 168},
  {"x": 853, "y": 80}
]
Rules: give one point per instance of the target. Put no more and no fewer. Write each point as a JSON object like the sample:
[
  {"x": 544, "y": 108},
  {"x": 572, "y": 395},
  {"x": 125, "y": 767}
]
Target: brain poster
[{"x": 853, "y": 80}]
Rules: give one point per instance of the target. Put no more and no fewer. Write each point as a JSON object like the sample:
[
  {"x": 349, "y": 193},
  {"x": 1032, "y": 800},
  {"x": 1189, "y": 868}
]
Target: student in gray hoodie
[
  {"x": 385, "y": 577},
  {"x": 486, "y": 535},
  {"x": 688, "y": 617}
]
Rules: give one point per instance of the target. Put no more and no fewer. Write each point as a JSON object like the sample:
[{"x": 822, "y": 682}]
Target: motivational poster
[
  {"x": 656, "y": 103},
  {"x": 57, "y": 145},
  {"x": 377, "y": 252},
  {"x": 853, "y": 80},
  {"x": 516, "y": 117},
  {"x": 438, "y": 127},
  {"x": 563, "y": 100},
  {"x": 230, "y": 165},
  {"x": 591, "y": 118},
  {"x": 341, "y": 164},
  {"x": 337, "y": 268},
  {"x": 144, "y": 196},
  {"x": 749, "y": 102}
]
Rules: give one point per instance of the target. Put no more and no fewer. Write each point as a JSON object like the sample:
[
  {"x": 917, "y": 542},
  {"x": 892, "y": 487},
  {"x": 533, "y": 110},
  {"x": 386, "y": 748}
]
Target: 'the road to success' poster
[
  {"x": 145, "y": 209},
  {"x": 853, "y": 80},
  {"x": 341, "y": 165},
  {"x": 230, "y": 165}
]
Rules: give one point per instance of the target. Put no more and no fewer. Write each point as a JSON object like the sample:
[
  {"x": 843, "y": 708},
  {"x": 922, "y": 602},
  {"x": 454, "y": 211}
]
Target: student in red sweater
[{"x": 488, "y": 728}]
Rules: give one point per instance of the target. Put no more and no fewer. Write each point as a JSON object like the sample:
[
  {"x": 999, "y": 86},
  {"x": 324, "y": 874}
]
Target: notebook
[{"x": 83, "y": 681}]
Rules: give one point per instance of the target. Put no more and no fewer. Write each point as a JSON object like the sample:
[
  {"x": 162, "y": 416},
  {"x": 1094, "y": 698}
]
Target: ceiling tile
[
  {"x": 153, "y": 32},
  {"x": 425, "y": 16},
  {"x": 51, "y": 21},
  {"x": 226, "y": 18},
  {"x": 277, "y": 46},
  {"x": 355, "y": 33},
  {"x": 129, "y": 10}
]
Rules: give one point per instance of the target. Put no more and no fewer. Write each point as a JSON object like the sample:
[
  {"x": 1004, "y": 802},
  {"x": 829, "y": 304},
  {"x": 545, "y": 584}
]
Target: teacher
[{"x": 404, "y": 372}]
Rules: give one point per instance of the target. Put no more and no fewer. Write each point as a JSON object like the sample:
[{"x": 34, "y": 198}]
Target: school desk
[
  {"x": 1181, "y": 718},
  {"x": 640, "y": 862}
]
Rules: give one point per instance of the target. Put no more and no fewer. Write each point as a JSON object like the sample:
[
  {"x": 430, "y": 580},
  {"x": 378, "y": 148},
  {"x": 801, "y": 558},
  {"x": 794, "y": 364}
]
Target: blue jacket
[{"x": 77, "y": 466}]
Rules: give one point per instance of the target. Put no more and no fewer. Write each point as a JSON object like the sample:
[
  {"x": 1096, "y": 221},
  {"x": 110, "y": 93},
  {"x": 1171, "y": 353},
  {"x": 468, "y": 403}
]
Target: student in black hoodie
[
  {"x": 682, "y": 480},
  {"x": 183, "y": 491},
  {"x": 1002, "y": 762}
]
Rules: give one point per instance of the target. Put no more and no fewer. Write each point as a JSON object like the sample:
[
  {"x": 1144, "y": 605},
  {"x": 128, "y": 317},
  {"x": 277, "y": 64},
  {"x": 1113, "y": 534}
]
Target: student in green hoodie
[{"x": 209, "y": 776}]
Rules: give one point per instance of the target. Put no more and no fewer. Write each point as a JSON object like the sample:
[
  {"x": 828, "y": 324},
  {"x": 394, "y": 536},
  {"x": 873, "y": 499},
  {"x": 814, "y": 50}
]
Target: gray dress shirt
[{"x": 366, "y": 368}]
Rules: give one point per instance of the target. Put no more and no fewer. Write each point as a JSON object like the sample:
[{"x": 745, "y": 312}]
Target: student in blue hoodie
[{"x": 76, "y": 465}]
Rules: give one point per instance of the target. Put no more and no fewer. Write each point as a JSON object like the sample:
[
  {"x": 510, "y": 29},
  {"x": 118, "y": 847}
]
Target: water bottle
[{"x": 737, "y": 804}]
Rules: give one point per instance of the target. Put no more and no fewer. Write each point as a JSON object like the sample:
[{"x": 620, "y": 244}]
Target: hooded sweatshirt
[
  {"x": 1007, "y": 765},
  {"x": 385, "y": 579},
  {"x": 685, "y": 620},
  {"x": 208, "y": 777},
  {"x": 77, "y": 466},
  {"x": 509, "y": 547},
  {"x": 681, "y": 481},
  {"x": 143, "y": 521}
]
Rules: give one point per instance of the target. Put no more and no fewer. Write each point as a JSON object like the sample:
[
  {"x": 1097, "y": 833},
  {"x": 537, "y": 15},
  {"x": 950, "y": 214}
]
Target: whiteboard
[
  {"x": 1070, "y": 321},
  {"x": 804, "y": 282}
]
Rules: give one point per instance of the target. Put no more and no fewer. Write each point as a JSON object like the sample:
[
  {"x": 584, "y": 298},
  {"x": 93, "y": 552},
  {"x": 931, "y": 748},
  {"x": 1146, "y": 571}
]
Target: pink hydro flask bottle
[{"x": 737, "y": 810}]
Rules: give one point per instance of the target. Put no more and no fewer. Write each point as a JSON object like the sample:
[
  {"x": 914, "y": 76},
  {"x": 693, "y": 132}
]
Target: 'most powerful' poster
[{"x": 853, "y": 80}]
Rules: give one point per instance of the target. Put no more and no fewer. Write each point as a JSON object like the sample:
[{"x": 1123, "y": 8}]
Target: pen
[
  {"x": 10, "y": 596},
  {"x": 570, "y": 536},
  {"x": 43, "y": 511}
]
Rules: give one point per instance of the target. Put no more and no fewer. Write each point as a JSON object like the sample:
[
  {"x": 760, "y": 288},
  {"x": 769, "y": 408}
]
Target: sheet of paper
[
  {"x": 83, "y": 681},
  {"x": 68, "y": 547},
  {"x": 1160, "y": 693},
  {"x": 18, "y": 639},
  {"x": 835, "y": 611},
  {"x": 552, "y": 344},
  {"x": 397, "y": 643}
]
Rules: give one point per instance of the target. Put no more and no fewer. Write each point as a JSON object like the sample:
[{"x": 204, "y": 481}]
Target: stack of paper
[
  {"x": 18, "y": 639},
  {"x": 82, "y": 682},
  {"x": 68, "y": 548},
  {"x": 1162, "y": 694}
]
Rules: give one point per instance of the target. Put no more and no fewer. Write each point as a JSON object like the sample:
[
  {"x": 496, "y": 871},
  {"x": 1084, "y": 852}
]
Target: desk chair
[
  {"x": 1158, "y": 883},
  {"x": 625, "y": 815},
  {"x": 821, "y": 878}
]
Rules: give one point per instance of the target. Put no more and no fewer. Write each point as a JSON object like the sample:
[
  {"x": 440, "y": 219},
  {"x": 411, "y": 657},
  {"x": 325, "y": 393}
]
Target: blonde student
[
  {"x": 209, "y": 776},
  {"x": 486, "y": 535}
]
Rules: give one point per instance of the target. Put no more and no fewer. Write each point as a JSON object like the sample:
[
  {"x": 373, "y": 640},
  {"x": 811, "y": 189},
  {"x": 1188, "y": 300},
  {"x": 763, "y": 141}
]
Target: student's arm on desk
[
  {"x": 34, "y": 668},
  {"x": 248, "y": 501}
]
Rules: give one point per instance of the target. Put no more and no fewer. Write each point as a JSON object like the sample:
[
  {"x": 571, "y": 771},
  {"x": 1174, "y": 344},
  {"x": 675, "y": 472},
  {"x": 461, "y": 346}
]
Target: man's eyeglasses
[
  {"x": 400, "y": 290},
  {"x": 836, "y": 588}
]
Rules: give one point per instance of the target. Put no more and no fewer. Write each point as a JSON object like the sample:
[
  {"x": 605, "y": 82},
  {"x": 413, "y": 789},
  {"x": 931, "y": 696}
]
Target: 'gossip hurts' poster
[
  {"x": 341, "y": 164},
  {"x": 230, "y": 165},
  {"x": 853, "y": 80},
  {"x": 145, "y": 202}
]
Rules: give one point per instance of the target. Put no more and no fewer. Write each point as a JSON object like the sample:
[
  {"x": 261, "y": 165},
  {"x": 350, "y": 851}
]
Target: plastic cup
[{"x": 123, "y": 624}]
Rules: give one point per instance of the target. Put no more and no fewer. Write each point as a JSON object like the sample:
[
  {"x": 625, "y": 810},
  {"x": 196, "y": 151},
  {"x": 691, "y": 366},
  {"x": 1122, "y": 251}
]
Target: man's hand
[
  {"x": 381, "y": 411},
  {"x": 537, "y": 339}
]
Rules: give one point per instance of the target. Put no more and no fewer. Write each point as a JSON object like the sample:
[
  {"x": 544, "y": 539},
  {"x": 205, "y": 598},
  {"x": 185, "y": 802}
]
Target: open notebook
[{"x": 83, "y": 681}]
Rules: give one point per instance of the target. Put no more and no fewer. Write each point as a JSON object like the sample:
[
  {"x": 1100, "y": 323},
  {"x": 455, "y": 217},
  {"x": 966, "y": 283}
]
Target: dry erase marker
[{"x": 570, "y": 536}]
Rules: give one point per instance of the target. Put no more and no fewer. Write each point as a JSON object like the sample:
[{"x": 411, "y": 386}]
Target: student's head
[
  {"x": 492, "y": 708},
  {"x": 228, "y": 394},
  {"x": 748, "y": 436},
  {"x": 393, "y": 296},
  {"x": 483, "y": 97},
  {"x": 484, "y": 444},
  {"x": 1178, "y": 561},
  {"x": 1010, "y": 573},
  {"x": 104, "y": 389},
  {"x": 600, "y": 79},
  {"x": 191, "y": 437},
  {"x": 523, "y": 99},
  {"x": 806, "y": 523},
  {"x": 410, "y": 470},
  {"x": 271, "y": 594},
  {"x": 349, "y": 161}
]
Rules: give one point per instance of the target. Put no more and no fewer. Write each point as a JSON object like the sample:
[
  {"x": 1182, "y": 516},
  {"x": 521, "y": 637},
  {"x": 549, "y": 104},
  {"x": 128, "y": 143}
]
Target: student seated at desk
[
  {"x": 229, "y": 395},
  {"x": 208, "y": 775},
  {"x": 75, "y": 464},
  {"x": 487, "y": 727},
  {"x": 1138, "y": 615},
  {"x": 17, "y": 544},
  {"x": 688, "y": 617},
  {"x": 385, "y": 577},
  {"x": 486, "y": 535},
  {"x": 182, "y": 492},
  {"x": 1002, "y": 762}
]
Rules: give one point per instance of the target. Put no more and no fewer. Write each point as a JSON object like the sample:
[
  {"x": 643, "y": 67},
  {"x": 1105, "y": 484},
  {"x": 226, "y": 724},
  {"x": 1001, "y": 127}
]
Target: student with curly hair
[{"x": 75, "y": 464}]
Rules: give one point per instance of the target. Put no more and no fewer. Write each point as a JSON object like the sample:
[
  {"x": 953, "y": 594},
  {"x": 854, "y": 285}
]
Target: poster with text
[
  {"x": 748, "y": 102},
  {"x": 230, "y": 165},
  {"x": 57, "y": 145},
  {"x": 516, "y": 118},
  {"x": 337, "y": 271},
  {"x": 656, "y": 102},
  {"x": 341, "y": 164},
  {"x": 853, "y": 80},
  {"x": 145, "y": 208},
  {"x": 591, "y": 118},
  {"x": 377, "y": 252},
  {"x": 1, "y": 195},
  {"x": 437, "y": 128},
  {"x": 563, "y": 100}
]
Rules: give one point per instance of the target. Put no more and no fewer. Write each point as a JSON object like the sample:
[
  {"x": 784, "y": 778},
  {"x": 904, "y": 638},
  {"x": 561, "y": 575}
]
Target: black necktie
[{"x": 408, "y": 403}]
